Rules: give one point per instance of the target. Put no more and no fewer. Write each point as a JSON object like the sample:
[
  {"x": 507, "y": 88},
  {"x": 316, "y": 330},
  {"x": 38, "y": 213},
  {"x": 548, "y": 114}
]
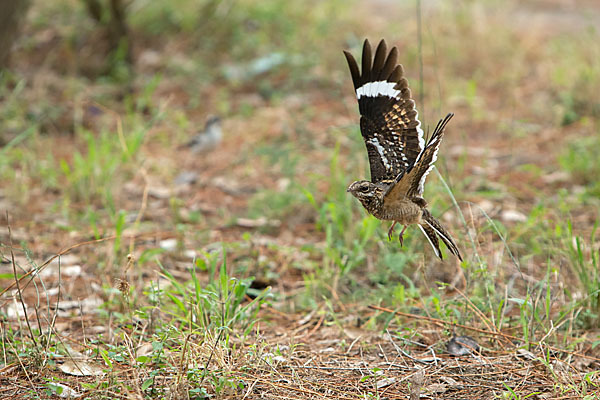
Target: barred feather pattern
[
  {"x": 389, "y": 121},
  {"x": 432, "y": 228},
  {"x": 427, "y": 158}
]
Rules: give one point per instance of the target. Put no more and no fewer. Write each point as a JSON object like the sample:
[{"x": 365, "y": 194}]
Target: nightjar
[{"x": 399, "y": 157}]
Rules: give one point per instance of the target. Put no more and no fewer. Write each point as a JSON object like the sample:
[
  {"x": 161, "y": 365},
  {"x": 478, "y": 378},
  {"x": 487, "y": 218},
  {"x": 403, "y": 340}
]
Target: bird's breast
[{"x": 404, "y": 211}]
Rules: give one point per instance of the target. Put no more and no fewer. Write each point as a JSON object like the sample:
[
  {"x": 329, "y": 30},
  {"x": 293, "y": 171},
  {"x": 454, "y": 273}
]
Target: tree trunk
[{"x": 12, "y": 13}]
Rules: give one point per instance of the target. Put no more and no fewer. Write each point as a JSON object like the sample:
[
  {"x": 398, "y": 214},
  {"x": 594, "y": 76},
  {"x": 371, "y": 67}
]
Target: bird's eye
[{"x": 364, "y": 189}]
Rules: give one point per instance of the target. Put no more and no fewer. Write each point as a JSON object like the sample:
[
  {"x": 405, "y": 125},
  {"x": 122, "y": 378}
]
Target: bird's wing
[
  {"x": 389, "y": 122},
  {"x": 411, "y": 183}
]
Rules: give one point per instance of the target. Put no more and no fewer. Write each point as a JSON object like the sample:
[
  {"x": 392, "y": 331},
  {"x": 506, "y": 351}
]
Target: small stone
[
  {"x": 168, "y": 244},
  {"x": 513, "y": 216}
]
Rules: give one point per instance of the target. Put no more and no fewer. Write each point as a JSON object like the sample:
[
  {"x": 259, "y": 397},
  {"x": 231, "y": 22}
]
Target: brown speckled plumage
[{"x": 398, "y": 155}]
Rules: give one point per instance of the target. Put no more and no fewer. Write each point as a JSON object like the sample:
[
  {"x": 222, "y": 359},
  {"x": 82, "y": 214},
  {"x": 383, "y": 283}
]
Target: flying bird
[{"x": 399, "y": 157}]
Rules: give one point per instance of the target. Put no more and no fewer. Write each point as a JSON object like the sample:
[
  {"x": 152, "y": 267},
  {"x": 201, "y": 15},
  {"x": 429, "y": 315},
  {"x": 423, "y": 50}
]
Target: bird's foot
[
  {"x": 391, "y": 231},
  {"x": 401, "y": 236}
]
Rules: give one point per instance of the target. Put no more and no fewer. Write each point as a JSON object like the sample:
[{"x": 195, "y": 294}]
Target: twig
[
  {"x": 182, "y": 360},
  {"x": 33, "y": 387},
  {"x": 212, "y": 352},
  {"x": 405, "y": 354},
  {"x": 14, "y": 265},
  {"x": 143, "y": 207},
  {"x": 416, "y": 384},
  {"x": 478, "y": 312},
  {"x": 315, "y": 328}
]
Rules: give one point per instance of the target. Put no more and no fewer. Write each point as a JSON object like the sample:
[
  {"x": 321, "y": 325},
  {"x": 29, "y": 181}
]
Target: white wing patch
[
  {"x": 379, "y": 88},
  {"x": 381, "y": 152},
  {"x": 420, "y": 133},
  {"x": 435, "y": 250},
  {"x": 444, "y": 237},
  {"x": 422, "y": 181},
  {"x": 433, "y": 160}
]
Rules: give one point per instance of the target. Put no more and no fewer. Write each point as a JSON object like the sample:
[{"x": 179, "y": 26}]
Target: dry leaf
[
  {"x": 81, "y": 368},
  {"x": 385, "y": 382},
  {"x": 168, "y": 244},
  {"x": 144, "y": 350},
  {"x": 66, "y": 392},
  {"x": 257, "y": 223},
  {"x": 436, "y": 388},
  {"x": 417, "y": 381},
  {"x": 462, "y": 346}
]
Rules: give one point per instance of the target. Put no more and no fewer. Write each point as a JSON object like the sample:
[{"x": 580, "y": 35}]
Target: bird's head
[{"x": 368, "y": 193}]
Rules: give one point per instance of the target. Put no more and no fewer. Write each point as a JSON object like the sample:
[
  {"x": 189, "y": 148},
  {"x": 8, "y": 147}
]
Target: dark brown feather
[
  {"x": 398, "y": 156},
  {"x": 379, "y": 60},
  {"x": 397, "y": 73},
  {"x": 433, "y": 239},
  {"x": 410, "y": 183},
  {"x": 390, "y": 64},
  {"x": 353, "y": 69},
  {"x": 389, "y": 123},
  {"x": 440, "y": 231},
  {"x": 366, "y": 63},
  {"x": 425, "y": 162}
]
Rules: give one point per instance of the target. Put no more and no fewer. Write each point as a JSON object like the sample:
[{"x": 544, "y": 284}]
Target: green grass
[
  {"x": 579, "y": 159},
  {"x": 215, "y": 313}
]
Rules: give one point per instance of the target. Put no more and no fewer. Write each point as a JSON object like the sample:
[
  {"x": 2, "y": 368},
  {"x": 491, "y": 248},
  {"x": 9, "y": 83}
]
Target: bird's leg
[
  {"x": 400, "y": 238},
  {"x": 391, "y": 231}
]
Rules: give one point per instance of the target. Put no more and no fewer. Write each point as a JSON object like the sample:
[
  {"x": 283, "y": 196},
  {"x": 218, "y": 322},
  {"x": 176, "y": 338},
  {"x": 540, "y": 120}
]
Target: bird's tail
[{"x": 432, "y": 229}]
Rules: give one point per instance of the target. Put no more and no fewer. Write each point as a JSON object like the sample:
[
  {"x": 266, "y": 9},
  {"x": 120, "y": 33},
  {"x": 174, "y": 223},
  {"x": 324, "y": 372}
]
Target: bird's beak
[{"x": 348, "y": 190}]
